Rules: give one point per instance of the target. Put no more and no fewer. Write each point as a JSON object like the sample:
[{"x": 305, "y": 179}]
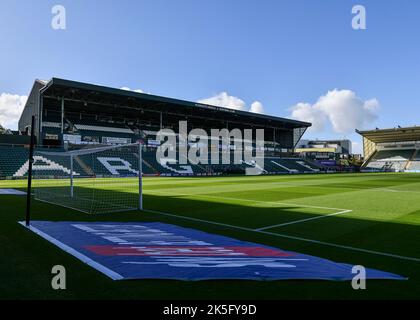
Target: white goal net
[{"x": 94, "y": 180}]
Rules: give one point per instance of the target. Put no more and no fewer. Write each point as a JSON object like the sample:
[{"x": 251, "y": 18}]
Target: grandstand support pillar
[
  {"x": 161, "y": 120},
  {"x": 62, "y": 115},
  {"x": 369, "y": 148},
  {"x": 71, "y": 177},
  {"x": 140, "y": 177}
]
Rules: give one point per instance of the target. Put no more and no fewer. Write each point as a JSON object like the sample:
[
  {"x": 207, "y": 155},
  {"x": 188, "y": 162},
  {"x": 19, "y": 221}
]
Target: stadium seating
[
  {"x": 51, "y": 123},
  {"x": 99, "y": 129},
  {"x": 292, "y": 165},
  {"x": 13, "y": 163},
  {"x": 271, "y": 166},
  {"x": 414, "y": 164},
  {"x": 171, "y": 167},
  {"x": 11, "y": 159},
  {"x": 390, "y": 160}
]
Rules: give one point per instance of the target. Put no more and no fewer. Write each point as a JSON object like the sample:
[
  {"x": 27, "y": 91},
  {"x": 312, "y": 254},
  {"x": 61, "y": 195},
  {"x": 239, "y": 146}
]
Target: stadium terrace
[
  {"x": 391, "y": 150},
  {"x": 71, "y": 115},
  {"x": 194, "y": 146}
]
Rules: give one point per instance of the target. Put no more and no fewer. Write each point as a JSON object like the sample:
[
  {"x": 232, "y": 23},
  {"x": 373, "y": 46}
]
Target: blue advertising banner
[
  {"x": 162, "y": 251},
  {"x": 328, "y": 162}
]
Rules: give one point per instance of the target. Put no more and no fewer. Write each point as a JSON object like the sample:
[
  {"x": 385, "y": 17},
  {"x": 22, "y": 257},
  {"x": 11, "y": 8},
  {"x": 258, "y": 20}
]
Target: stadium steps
[
  {"x": 368, "y": 160},
  {"x": 197, "y": 168},
  {"x": 291, "y": 165},
  {"x": 304, "y": 165},
  {"x": 154, "y": 170},
  {"x": 202, "y": 168},
  {"x": 414, "y": 163},
  {"x": 282, "y": 166},
  {"x": 70, "y": 123},
  {"x": 408, "y": 164},
  {"x": 272, "y": 168},
  {"x": 88, "y": 170},
  {"x": 314, "y": 166}
]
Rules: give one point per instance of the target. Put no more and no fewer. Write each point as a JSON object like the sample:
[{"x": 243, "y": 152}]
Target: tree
[{"x": 3, "y": 130}]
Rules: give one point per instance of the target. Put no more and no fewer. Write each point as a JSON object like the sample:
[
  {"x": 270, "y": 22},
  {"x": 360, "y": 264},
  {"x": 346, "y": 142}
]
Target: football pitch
[{"x": 360, "y": 219}]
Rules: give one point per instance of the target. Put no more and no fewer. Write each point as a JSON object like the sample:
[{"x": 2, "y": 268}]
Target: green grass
[{"x": 384, "y": 217}]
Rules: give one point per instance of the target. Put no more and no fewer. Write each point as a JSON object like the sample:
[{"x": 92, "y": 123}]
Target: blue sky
[{"x": 295, "y": 58}]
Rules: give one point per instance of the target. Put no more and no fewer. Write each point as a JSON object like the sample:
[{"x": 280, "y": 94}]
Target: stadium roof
[
  {"x": 78, "y": 91},
  {"x": 392, "y": 135}
]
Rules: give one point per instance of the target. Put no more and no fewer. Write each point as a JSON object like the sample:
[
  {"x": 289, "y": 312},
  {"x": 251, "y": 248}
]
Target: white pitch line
[
  {"x": 303, "y": 220},
  {"x": 391, "y": 255},
  {"x": 306, "y": 205},
  {"x": 246, "y": 200},
  {"x": 101, "y": 268},
  {"x": 392, "y": 190}
]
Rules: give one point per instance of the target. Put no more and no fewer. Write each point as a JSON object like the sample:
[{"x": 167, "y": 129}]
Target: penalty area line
[
  {"x": 303, "y": 220},
  {"x": 385, "y": 254}
]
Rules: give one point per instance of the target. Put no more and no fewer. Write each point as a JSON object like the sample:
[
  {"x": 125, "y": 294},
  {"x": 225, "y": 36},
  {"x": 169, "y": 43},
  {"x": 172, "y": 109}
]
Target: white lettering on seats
[
  {"x": 48, "y": 165},
  {"x": 113, "y": 168}
]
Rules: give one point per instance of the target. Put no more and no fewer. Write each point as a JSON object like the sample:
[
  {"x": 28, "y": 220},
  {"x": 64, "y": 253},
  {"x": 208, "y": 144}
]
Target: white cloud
[
  {"x": 135, "y": 90},
  {"x": 306, "y": 112},
  {"x": 11, "y": 107},
  {"x": 223, "y": 99},
  {"x": 342, "y": 109},
  {"x": 257, "y": 107}
]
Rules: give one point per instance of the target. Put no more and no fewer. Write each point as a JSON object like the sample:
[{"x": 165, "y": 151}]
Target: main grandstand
[
  {"x": 73, "y": 115},
  {"x": 392, "y": 150}
]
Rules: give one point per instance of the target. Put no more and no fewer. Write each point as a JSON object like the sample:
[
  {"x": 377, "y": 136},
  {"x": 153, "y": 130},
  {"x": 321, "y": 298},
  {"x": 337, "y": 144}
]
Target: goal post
[{"x": 92, "y": 180}]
